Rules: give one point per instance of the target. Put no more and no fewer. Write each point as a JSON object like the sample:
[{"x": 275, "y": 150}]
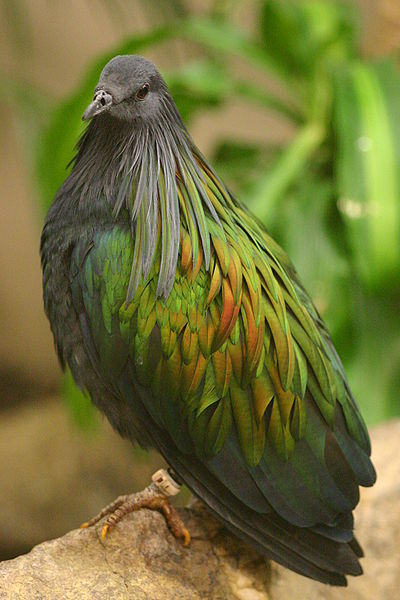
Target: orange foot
[{"x": 151, "y": 497}]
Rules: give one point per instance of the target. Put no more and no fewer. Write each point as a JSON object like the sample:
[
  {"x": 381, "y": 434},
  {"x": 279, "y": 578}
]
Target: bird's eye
[{"x": 142, "y": 92}]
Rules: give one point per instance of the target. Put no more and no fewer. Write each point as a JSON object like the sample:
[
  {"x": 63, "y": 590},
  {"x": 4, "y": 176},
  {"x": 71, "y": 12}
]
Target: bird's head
[{"x": 130, "y": 87}]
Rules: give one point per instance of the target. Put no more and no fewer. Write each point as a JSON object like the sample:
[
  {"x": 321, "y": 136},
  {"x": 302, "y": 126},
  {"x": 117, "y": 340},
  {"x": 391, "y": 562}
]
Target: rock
[{"x": 140, "y": 559}]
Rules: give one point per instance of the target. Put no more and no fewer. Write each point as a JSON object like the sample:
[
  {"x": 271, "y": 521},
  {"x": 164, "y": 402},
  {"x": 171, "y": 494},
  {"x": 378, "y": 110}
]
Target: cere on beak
[{"x": 102, "y": 101}]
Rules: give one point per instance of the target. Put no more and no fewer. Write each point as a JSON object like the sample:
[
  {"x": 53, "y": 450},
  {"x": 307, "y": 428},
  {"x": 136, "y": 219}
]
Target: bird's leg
[{"x": 155, "y": 497}]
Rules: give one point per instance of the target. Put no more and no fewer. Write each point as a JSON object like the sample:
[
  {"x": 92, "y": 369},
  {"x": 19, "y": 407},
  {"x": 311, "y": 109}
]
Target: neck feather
[{"x": 156, "y": 174}]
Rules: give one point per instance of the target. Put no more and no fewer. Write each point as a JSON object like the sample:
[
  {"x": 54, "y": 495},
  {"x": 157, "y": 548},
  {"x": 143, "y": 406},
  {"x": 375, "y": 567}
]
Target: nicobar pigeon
[{"x": 188, "y": 326}]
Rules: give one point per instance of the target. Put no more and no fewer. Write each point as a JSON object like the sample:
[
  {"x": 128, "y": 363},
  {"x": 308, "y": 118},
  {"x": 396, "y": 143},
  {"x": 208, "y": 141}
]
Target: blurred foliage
[
  {"x": 331, "y": 196},
  {"x": 79, "y": 405}
]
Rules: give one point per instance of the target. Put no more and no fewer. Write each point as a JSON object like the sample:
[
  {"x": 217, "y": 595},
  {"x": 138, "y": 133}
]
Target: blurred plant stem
[{"x": 290, "y": 164}]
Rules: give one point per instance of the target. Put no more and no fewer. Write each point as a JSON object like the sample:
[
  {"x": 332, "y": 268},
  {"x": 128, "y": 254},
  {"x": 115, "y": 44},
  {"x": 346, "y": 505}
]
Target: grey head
[{"x": 130, "y": 87}]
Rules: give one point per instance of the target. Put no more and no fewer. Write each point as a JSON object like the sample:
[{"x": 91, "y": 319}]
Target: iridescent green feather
[{"x": 236, "y": 348}]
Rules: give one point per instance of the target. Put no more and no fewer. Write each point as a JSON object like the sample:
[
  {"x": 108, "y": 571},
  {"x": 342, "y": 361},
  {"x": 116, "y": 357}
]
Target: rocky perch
[{"x": 140, "y": 559}]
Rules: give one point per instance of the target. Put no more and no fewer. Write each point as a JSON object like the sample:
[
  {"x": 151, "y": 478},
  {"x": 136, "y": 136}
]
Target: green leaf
[
  {"x": 301, "y": 35},
  {"x": 79, "y": 404},
  {"x": 241, "y": 163},
  {"x": 374, "y": 368},
  {"x": 228, "y": 39},
  {"x": 304, "y": 232},
  {"x": 198, "y": 86},
  {"x": 221, "y": 37},
  {"x": 206, "y": 84},
  {"x": 368, "y": 167},
  {"x": 276, "y": 182}
]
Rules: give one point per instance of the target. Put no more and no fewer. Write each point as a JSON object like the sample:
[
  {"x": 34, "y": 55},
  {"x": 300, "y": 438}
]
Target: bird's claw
[
  {"x": 186, "y": 537},
  {"x": 104, "y": 531},
  {"x": 149, "y": 498}
]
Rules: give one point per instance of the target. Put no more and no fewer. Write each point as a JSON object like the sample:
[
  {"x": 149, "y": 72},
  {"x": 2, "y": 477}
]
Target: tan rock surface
[{"x": 140, "y": 559}]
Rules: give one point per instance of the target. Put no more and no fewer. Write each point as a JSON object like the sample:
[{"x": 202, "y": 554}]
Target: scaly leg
[{"x": 154, "y": 497}]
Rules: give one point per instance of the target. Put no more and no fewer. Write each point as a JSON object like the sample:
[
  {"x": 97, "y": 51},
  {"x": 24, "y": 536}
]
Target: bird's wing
[{"x": 240, "y": 386}]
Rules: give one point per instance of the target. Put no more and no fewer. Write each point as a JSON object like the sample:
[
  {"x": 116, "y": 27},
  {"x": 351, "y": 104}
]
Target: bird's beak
[{"x": 102, "y": 101}]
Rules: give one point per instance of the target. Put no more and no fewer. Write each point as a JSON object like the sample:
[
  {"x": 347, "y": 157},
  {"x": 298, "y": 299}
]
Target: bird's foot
[{"x": 154, "y": 497}]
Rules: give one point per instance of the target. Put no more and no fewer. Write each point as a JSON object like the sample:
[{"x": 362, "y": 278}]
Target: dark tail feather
[
  {"x": 355, "y": 546},
  {"x": 341, "y": 532},
  {"x": 300, "y": 550}
]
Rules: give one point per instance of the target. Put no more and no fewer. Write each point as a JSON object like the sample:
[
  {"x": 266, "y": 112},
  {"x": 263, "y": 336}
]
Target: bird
[{"x": 188, "y": 326}]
